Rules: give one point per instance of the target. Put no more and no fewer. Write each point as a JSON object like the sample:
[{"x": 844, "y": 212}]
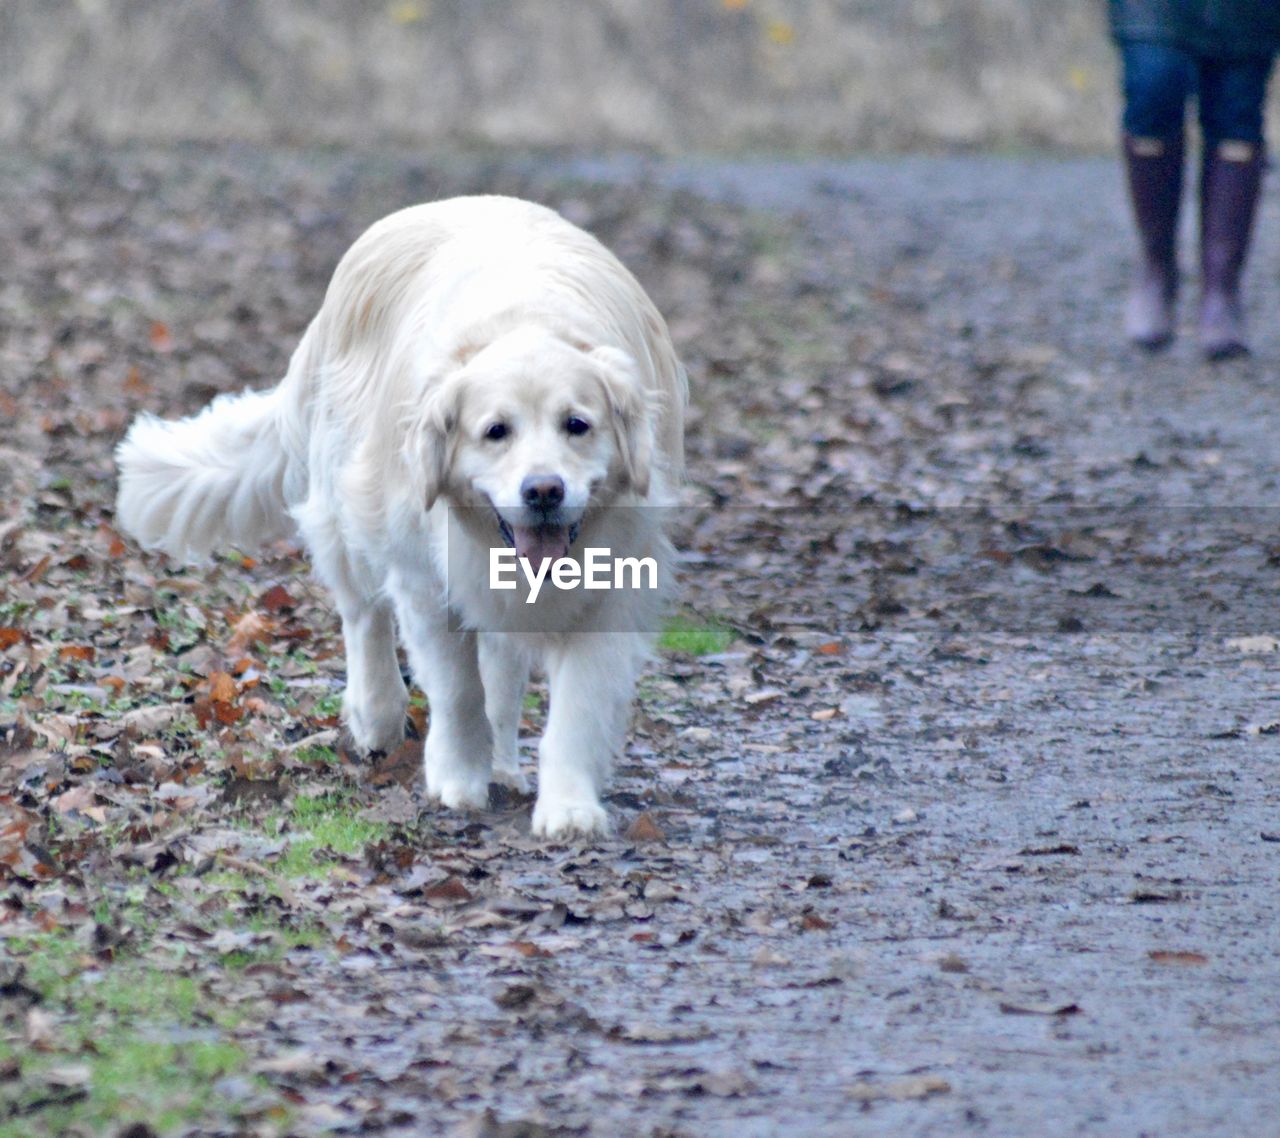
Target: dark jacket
[{"x": 1215, "y": 28}]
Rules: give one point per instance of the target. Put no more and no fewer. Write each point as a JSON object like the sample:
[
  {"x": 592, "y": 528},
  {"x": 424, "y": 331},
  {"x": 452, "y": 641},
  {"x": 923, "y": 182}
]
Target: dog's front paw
[
  {"x": 558, "y": 818},
  {"x": 510, "y": 775},
  {"x": 375, "y": 727},
  {"x": 465, "y": 793},
  {"x": 453, "y": 784}
]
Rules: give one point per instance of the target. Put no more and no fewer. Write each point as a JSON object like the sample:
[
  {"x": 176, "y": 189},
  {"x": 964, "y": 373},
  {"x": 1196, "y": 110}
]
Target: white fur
[{"x": 440, "y": 320}]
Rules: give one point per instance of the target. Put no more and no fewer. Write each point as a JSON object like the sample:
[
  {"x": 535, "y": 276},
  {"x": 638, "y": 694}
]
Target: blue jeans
[{"x": 1160, "y": 78}]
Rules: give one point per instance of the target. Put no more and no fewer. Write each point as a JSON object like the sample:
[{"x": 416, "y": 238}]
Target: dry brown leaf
[
  {"x": 14, "y": 824},
  {"x": 277, "y": 599},
  {"x": 522, "y": 949},
  {"x": 1165, "y": 956},
  {"x": 134, "y": 384},
  {"x": 83, "y": 652},
  {"x": 450, "y": 891},
  {"x": 645, "y": 829},
  {"x": 222, "y": 688},
  {"x": 160, "y": 337},
  {"x": 37, "y": 571},
  {"x": 252, "y": 629},
  {"x": 79, "y": 798}
]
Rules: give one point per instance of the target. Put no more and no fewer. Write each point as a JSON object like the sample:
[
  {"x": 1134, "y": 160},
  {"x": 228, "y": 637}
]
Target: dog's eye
[
  {"x": 496, "y": 431},
  {"x": 576, "y": 425}
]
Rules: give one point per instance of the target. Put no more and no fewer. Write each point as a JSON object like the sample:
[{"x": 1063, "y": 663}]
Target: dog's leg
[
  {"x": 375, "y": 700},
  {"x": 592, "y": 680},
  {"x": 459, "y": 750},
  {"x": 504, "y": 668}
]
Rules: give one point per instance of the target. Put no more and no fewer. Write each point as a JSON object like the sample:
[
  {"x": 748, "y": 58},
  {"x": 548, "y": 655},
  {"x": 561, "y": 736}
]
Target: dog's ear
[
  {"x": 432, "y": 440},
  {"x": 629, "y": 413}
]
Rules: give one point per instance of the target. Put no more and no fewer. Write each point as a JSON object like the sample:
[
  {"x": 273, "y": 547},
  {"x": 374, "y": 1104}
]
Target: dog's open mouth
[{"x": 539, "y": 543}]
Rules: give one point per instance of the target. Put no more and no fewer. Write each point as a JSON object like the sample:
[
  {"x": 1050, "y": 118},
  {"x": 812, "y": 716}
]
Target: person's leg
[
  {"x": 1157, "y": 81},
  {"x": 1232, "y": 94}
]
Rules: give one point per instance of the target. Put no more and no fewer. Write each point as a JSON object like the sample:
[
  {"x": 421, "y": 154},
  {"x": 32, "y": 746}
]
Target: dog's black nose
[{"x": 542, "y": 491}]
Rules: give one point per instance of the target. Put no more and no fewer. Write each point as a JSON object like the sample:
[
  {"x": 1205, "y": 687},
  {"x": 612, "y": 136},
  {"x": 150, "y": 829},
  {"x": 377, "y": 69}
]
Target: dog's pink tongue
[{"x": 538, "y": 543}]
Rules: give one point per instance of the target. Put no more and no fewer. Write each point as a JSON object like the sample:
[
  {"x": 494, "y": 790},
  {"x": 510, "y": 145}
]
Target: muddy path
[{"x": 962, "y": 818}]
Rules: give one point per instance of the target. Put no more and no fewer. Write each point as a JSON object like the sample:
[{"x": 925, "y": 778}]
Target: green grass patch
[
  {"x": 317, "y": 756},
  {"x": 326, "y": 822},
  {"x": 127, "y": 1042},
  {"x": 696, "y": 637},
  {"x": 283, "y": 938},
  {"x": 328, "y": 705}
]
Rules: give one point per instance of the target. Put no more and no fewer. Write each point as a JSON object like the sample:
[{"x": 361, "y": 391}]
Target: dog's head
[{"x": 539, "y": 430}]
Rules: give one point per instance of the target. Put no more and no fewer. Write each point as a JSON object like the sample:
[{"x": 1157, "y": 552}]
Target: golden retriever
[{"x": 481, "y": 375}]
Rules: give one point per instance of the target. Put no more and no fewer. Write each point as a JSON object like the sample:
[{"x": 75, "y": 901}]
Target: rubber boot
[
  {"x": 1154, "y": 169},
  {"x": 1230, "y": 181}
]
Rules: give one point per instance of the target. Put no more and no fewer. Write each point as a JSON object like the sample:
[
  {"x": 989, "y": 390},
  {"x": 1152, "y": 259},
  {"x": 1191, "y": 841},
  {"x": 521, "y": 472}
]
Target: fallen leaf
[
  {"x": 516, "y": 996},
  {"x": 489, "y": 1125},
  {"x": 250, "y": 630},
  {"x": 160, "y": 338},
  {"x": 68, "y": 1075},
  {"x": 37, "y": 571},
  {"x": 78, "y": 798},
  {"x": 663, "y": 1033},
  {"x": 450, "y": 891},
  {"x": 134, "y": 384},
  {"x": 222, "y": 688},
  {"x": 657, "y": 890},
  {"x": 299, "y": 1061},
  {"x": 38, "y": 1030},
  {"x": 1038, "y": 1008},
  {"x": 904, "y": 1090},
  {"x": 522, "y": 949},
  {"x": 145, "y": 721},
  {"x": 1146, "y": 896},
  {"x": 1165, "y": 956},
  {"x": 645, "y": 829},
  {"x": 1254, "y": 645},
  {"x": 277, "y": 599}
]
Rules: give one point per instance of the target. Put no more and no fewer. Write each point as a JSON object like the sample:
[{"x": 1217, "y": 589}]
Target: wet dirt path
[{"x": 972, "y": 830}]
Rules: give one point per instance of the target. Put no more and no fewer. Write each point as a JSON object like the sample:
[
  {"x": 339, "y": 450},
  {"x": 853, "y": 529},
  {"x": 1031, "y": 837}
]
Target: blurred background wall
[{"x": 663, "y": 74}]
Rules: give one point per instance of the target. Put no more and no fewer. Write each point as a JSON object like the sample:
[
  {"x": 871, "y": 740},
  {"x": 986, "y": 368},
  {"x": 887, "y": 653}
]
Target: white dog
[{"x": 481, "y": 374}]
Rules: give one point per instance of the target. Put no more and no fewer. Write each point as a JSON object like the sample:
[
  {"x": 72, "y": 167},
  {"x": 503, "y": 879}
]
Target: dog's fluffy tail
[{"x": 215, "y": 479}]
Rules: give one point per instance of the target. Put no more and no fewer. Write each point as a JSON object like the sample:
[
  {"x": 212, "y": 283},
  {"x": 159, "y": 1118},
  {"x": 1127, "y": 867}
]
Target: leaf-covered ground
[{"x": 947, "y": 806}]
